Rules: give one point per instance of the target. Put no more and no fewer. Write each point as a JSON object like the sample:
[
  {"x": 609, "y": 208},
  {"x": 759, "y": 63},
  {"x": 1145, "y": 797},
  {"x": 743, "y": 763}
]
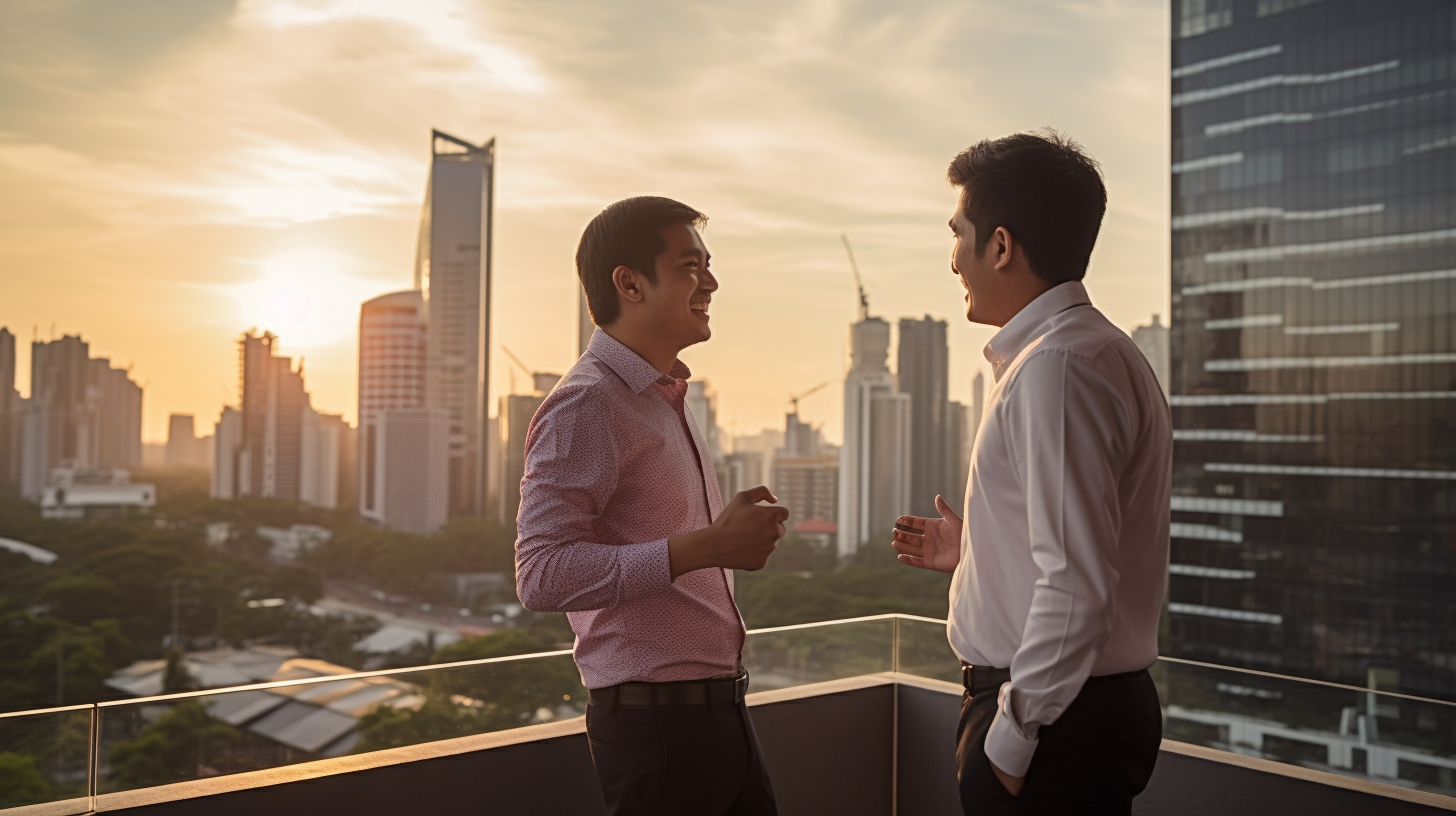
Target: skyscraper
[
  {"x": 452, "y": 270},
  {"x": 874, "y": 469},
  {"x": 403, "y": 461},
  {"x": 83, "y": 414},
  {"x": 10, "y": 416},
  {"x": 1313, "y": 358},
  {"x": 923, "y": 370},
  {"x": 516, "y": 413},
  {"x": 277, "y": 445}
]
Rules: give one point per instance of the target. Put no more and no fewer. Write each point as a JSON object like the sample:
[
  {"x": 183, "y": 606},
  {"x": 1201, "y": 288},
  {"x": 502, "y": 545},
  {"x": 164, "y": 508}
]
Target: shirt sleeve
[
  {"x": 1068, "y": 432},
  {"x": 571, "y": 472}
]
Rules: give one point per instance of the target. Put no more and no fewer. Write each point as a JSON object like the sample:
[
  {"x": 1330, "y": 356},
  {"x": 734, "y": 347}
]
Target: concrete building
[
  {"x": 277, "y": 445},
  {"x": 184, "y": 448},
  {"x": 874, "y": 470},
  {"x": 516, "y": 413},
  {"x": 923, "y": 372},
  {"x": 1152, "y": 339},
  {"x": 74, "y": 493},
  {"x": 403, "y": 454},
  {"x": 702, "y": 404},
  {"x": 452, "y": 271},
  {"x": 82, "y": 414},
  {"x": 12, "y": 409},
  {"x": 403, "y": 462}
]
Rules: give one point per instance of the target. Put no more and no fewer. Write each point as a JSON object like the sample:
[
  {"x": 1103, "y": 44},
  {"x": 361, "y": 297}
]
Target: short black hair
[
  {"x": 627, "y": 233},
  {"x": 1044, "y": 189}
]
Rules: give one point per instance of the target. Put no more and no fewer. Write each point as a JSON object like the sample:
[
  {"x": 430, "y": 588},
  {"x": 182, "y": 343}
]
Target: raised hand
[
  {"x": 933, "y": 544},
  {"x": 743, "y": 536}
]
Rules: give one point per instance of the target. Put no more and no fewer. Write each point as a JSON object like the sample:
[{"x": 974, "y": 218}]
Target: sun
[{"x": 303, "y": 298}]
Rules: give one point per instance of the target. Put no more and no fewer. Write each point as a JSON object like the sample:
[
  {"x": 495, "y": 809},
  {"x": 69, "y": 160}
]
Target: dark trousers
[
  {"x": 1093, "y": 760},
  {"x": 699, "y": 760}
]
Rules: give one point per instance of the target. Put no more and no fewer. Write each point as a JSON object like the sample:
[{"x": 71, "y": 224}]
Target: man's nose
[{"x": 708, "y": 283}]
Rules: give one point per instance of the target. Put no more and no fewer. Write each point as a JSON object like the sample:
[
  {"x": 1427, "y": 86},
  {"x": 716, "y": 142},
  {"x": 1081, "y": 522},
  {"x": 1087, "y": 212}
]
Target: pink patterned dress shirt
[{"x": 615, "y": 465}]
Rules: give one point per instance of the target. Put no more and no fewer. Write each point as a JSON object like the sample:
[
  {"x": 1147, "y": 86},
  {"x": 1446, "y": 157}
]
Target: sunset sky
[{"x": 177, "y": 171}]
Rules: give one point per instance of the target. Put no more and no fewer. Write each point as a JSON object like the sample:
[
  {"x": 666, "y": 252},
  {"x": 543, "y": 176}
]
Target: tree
[
  {"x": 478, "y": 699},
  {"x": 180, "y": 745},
  {"x": 21, "y": 782}
]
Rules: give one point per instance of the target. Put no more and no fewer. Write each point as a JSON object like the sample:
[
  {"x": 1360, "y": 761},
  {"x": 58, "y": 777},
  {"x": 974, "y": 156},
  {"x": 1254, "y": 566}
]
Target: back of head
[
  {"x": 1044, "y": 189},
  {"x": 627, "y": 233}
]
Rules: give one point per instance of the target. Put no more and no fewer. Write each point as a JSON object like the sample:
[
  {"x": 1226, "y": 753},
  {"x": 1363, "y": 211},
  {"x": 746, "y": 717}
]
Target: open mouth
[{"x": 701, "y": 309}]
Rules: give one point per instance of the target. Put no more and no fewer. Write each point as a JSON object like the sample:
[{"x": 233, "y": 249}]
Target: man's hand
[
  {"x": 741, "y": 537},
  {"x": 933, "y": 544},
  {"x": 1012, "y": 784}
]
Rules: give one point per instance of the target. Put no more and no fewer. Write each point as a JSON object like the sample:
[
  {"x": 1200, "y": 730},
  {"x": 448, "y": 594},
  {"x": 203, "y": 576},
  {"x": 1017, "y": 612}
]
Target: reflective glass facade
[{"x": 1313, "y": 359}]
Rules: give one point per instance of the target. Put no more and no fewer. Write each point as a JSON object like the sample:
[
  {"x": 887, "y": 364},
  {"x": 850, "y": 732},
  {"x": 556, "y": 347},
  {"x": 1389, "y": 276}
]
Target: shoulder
[{"x": 583, "y": 396}]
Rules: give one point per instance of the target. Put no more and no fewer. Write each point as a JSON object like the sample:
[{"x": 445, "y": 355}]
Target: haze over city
[{"x": 183, "y": 172}]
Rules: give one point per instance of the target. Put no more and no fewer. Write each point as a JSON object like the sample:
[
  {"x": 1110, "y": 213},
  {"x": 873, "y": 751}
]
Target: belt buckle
[{"x": 740, "y": 687}]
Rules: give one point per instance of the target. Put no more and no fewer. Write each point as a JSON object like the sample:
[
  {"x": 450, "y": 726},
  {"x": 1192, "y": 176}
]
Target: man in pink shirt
[{"x": 622, "y": 527}]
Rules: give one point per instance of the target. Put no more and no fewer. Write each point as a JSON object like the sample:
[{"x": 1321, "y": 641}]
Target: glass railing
[{"x": 69, "y": 756}]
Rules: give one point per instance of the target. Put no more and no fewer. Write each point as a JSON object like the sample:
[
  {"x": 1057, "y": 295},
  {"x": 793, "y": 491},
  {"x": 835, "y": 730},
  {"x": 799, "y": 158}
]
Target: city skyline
[{"x": 305, "y": 197}]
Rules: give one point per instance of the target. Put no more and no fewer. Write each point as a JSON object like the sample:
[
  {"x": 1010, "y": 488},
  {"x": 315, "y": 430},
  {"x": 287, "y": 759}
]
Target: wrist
[{"x": 690, "y": 551}]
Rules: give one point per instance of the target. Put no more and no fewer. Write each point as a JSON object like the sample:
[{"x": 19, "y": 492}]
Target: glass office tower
[{"x": 1313, "y": 358}]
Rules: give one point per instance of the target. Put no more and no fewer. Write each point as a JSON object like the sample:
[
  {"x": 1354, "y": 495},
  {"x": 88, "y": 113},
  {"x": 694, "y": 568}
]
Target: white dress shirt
[{"x": 1064, "y": 552}]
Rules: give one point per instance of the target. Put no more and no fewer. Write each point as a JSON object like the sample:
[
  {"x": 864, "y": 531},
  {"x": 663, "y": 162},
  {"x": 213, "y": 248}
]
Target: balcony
[{"x": 855, "y": 717}]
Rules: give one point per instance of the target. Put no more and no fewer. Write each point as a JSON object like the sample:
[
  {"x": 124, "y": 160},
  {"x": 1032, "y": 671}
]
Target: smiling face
[
  {"x": 677, "y": 302},
  {"x": 977, "y": 272}
]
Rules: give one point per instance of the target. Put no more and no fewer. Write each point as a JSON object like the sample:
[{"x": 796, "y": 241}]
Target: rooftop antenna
[{"x": 864, "y": 300}]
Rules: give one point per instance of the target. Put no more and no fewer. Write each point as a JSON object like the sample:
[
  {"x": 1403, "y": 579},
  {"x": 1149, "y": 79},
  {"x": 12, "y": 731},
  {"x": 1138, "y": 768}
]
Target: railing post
[
  {"x": 93, "y": 757},
  {"x": 895, "y": 644}
]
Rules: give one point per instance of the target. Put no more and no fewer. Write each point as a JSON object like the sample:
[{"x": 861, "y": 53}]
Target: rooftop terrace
[{"x": 855, "y": 716}]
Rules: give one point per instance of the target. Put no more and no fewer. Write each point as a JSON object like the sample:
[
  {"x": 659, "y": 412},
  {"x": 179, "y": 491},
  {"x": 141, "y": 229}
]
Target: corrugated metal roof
[
  {"x": 303, "y": 726},
  {"x": 242, "y": 706}
]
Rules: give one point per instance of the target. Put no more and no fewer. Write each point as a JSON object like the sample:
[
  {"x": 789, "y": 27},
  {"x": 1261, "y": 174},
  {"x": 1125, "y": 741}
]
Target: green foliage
[
  {"x": 21, "y": 782},
  {"x": 411, "y": 565},
  {"x": 478, "y": 699},
  {"x": 182, "y": 744},
  {"x": 871, "y": 583}
]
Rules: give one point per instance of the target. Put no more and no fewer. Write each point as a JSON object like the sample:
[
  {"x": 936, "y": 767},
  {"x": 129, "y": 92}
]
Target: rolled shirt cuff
[{"x": 1006, "y": 747}]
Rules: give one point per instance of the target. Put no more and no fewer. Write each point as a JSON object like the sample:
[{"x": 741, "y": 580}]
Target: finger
[
  {"x": 908, "y": 548},
  {"x": 909, "y": 538},
  {"x": 911, "y": 561},
  {"x": 754, "y": 495},
  {"x": 945, "y": 512},
  {"x": 781, "y": 514},
  {"x": 910, "y": 524},
  {"x": 781, "y": 531}
]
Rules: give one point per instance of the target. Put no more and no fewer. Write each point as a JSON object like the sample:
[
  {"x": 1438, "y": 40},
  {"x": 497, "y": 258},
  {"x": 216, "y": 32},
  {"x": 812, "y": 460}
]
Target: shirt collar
[
  {"x": 636, "y": 372},
  {"x": 1026, "y": 325}
]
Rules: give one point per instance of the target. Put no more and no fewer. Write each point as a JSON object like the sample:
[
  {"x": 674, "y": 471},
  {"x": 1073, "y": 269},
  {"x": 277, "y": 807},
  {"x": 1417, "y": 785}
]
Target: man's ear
[
  {"x": 1002, "y": 244},
  {"x": 628, "y": 284}
]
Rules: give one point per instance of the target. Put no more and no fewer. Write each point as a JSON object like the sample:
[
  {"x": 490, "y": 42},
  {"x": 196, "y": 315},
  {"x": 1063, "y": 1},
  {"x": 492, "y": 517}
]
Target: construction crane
[
  {"x": 864, "y": 300},
  {"x": 794, "y": 398},
  {"x": 517, "y": 360}
]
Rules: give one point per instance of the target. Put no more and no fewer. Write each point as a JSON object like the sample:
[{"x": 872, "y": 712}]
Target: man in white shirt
[{"x": 1061, "y": 563}]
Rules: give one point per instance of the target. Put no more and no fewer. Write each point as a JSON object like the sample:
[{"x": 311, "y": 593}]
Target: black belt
[
  {"x": 978, "y": 679},
  {"x": 673, "y": 695}
]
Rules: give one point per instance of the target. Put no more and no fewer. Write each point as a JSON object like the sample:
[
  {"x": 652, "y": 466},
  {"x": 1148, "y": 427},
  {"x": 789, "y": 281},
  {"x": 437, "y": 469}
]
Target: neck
[
  {"x": 659, "y": 354},
  {"x": 1030, "y": 289}
]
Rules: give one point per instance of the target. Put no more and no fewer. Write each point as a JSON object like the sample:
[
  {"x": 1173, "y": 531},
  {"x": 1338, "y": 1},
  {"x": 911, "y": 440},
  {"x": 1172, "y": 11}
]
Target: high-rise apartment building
[
  {"x": 11, "y": 416},
  {"x": 923, "y": 370},
  {"x": 702, "y": 405},
  {"x": 516, "y": 413},
  {"x": 1313, "y": 339},
  {"x": 83, "y": 414},
  {"x": 277, "y": 445},
  {"x": 874, "y": 464},
  {"x": 403, "y": 461},
  {"x": 184, "y": 448},
  {"x": 452, "y": 270}
]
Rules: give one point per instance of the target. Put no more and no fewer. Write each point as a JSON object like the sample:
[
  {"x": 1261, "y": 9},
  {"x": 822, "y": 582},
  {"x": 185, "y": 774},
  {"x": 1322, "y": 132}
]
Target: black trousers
[
  {"x": 693, "y": 760},
  {"x": 1093, "y": 760}
]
